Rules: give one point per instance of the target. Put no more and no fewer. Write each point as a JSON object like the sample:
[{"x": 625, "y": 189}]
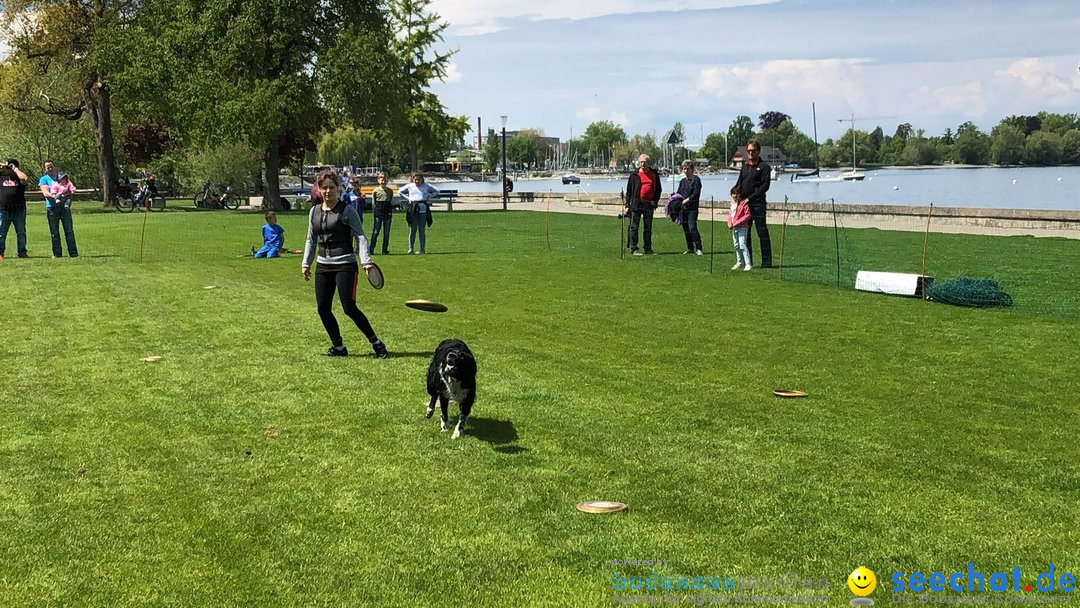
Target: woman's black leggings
[{"x": 343, "y": 278}]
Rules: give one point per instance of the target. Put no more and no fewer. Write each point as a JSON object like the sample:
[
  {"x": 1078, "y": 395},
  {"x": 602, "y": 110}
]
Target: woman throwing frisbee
[{"x": 332, "y": 224}]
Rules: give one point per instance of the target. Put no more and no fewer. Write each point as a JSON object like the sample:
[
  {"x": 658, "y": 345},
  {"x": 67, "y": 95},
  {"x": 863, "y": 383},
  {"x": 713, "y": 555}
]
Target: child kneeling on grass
[
  {"x": 273, "y": 237},
  {"x": 739, "y": 222}
]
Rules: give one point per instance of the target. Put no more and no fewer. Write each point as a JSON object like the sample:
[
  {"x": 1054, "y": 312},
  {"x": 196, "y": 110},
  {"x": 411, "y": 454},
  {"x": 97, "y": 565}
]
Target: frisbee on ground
[
  {"x": 788, "y": 393},
  {"x": 375, "y": 276},
  {"x": 601, "y": 506},
  {"x": 211, "y": 287},
  {"x": 151, "y": 359},
  {"x": 426, "y": 305}
]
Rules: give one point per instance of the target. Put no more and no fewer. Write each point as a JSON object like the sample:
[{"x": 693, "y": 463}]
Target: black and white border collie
[{"x": 452, "y": 377}]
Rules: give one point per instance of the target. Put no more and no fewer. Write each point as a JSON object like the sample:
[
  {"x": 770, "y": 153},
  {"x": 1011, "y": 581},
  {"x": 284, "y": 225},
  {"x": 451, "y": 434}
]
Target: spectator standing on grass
[
  {"x": 332, "y": 224},
  {"x": 382, "y": 201},
  {"x": 57, "y": 213},
  {"x": 690, "y": 189},
  {"x": 738, "y": 220},
  {"x": 642, "y": 196},
  {"x": 755, "y": 177},
  {"x": 418, "y": 209},
  {"x": 13, "y": 206}
]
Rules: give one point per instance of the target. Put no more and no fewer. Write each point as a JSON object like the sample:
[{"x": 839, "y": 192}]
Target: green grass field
[{"x": 244, "y": 469}]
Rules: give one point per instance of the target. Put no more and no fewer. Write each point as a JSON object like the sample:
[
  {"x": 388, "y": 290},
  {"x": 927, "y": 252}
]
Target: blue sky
[{"x": 558, "y": 65}]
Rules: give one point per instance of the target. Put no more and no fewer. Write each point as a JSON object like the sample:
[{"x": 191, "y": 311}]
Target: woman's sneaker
[
  {"x": 380, "y": 350},
  {"x": 337, "y": 351},
  {"x": 737, "y": 267}
]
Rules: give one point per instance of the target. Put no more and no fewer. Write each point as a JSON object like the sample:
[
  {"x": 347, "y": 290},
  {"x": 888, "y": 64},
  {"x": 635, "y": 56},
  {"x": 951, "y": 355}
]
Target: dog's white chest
[{"x": 454, "y": 388}]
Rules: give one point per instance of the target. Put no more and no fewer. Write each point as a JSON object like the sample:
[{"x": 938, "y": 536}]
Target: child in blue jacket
[{"x": 273, "y": 238}]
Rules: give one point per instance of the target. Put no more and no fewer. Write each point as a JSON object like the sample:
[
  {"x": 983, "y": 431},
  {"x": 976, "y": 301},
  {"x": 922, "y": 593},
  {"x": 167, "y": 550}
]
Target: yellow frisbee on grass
[{"x": 601, "y": 506}]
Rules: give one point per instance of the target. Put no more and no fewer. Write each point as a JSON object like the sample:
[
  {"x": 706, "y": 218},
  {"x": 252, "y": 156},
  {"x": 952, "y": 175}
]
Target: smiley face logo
[{"x": 862, "y": 581}]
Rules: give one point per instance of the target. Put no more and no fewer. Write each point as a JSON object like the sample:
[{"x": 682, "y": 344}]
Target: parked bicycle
[
  {"x": 127, "y": 200},
  {"x": 208, "y": 198}
]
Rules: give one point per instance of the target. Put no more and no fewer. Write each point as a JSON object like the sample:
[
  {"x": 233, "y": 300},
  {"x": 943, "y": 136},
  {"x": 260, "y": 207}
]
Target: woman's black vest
[{"x": 331, "y": 232}]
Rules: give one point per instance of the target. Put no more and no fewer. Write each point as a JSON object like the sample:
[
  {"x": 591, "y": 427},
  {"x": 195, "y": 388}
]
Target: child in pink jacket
[
  {"x": 739, "y": 222},
  {"x": 62, "y": 190}
]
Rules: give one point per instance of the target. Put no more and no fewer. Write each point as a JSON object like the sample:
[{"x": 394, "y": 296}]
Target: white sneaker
[
  {"x": 411, "y": 252},
  {"x": 700, "y": 252},
  {"x": 737, "y": 267},
  {"x": 748, "y": 267},
  {"x": 638, "y": 252}
]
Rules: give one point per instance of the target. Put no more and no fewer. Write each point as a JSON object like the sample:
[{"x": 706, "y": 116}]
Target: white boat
[{"x": 853, "y": 176}]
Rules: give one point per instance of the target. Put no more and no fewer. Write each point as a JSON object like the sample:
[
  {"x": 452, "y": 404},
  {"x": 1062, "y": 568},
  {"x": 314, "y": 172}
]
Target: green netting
[{"x": 978, "y": 293}]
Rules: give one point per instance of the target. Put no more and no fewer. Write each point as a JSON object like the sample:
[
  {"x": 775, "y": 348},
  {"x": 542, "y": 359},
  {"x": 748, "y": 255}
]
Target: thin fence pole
[
  {"x": 622, "y": 234},
  {"x": 925, "y": 244},
  {"x": 142, "y": 237},
  {"x": 836, "y": 237},
  {"x": 783, "y": 239},
  {"x": 712, "y": 232},
  {"x": 547, "y": 219}
]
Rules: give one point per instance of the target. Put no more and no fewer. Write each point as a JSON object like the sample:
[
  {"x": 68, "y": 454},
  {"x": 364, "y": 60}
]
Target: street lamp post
[{"x": 506, "y": 197}]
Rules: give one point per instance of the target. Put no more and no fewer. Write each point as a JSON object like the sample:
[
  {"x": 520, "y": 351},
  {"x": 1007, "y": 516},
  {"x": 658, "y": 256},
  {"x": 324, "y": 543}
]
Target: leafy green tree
[
  {"x": 599, "y": 139},
  {"x": 918, "y": 150},
  {"x": 644, "y": 143},
  {"x": 418, "y": 30},
  {"x": 862, "y": 147},
  {"x": 876, "y": 140},
  {"x": 1058, "y": 123},
  {"x": 32, "y": 137},
  {"x": 831, "y": 155},
  {"x": 1043, "y": 148},
  {"x": 714, "y": 149},
  {"x": 1070, "y": 152},
  {"x": 799, "y": 148},
  {"x": 492, "y": 150},
  {"x": 526, "y": 149},
  {"x": 1006, "y": 144},
  {"x": 971, "y": 147},
  {"x": 340, "y": 146},
  {"x": 64, "y": 53},
  {"x": 1026, "y": 124},
  {"x": 740, "y": 131},
  {"x": 231, "y": 162},
  {"x": 771, "y": 120}
]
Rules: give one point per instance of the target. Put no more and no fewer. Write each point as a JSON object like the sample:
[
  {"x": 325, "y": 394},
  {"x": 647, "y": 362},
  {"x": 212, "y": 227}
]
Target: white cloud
[
  {"x": 1043, "y": 80},
  {"x": 789, "y": 81},
  {"x": 473, "y": 17},
  {"x": 453, "y": 74},
  {"x": 966, "y": 100},
  {"x": 593, "y": 113}
]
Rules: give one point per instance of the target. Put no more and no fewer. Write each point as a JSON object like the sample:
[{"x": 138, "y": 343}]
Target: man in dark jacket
[
  {"x": 642, "y": 197},
  {"x": 13, "y": 205},
  {"x": 382, "y": 198},
  {"x": 754, "y": 180}
]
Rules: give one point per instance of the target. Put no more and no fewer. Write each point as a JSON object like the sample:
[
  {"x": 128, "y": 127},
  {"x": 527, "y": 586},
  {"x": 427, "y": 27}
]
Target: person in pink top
[
  {"x": 739, "y": 222},
  {"x": 62, "y": 190}
]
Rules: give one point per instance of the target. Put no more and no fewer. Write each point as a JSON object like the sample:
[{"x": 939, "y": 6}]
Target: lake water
[{"x": 1004, "y": 188}]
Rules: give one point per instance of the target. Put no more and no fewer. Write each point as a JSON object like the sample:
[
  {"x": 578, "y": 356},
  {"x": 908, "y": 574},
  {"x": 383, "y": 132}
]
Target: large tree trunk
[
  {"x": 272, "y": 160},
  {"x": 99, "y": 108},
  {"x": 413, "y": 154}
]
